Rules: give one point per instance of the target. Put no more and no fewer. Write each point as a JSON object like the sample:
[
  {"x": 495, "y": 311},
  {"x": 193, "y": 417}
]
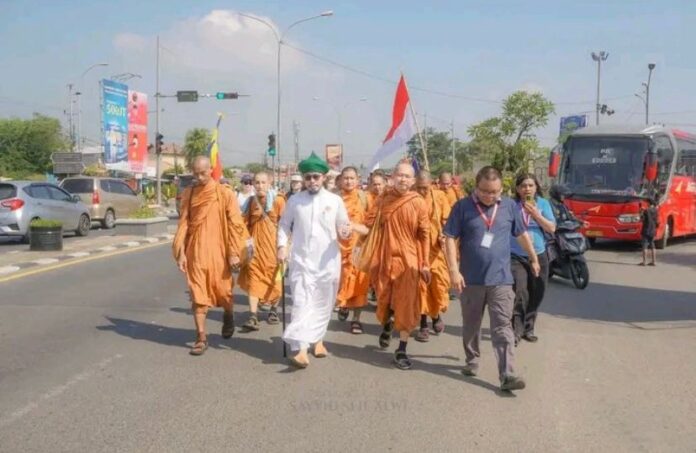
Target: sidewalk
[{"x": 16, "y": 261}]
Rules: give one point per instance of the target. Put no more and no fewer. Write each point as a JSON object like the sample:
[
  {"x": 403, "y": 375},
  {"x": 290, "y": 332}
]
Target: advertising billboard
[
  {"x": 570, "y": 123},
  {"x": 137, "y": 131},
  {"x": 115, "y": 119},
  {"x": 334, "y": 156}
]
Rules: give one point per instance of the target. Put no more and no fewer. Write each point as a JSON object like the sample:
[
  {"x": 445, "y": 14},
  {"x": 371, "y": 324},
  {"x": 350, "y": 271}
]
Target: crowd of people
[{"x": 410, "y": 241}]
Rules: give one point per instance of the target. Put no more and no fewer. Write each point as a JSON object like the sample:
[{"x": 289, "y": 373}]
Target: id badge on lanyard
[{"x": 488, "y": 236}]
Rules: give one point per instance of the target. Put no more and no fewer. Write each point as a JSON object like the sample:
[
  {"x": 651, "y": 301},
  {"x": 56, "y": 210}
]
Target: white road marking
[
  {"x": 108, "y": 248},
  {"x": 132, "y": 244},
  {"x": 8, "y": 270},
  {"x": 44, "y": 261},
  {"x": 79, "y": 254},
  {"x": 58, "y": 390},
  {"x": 151, "y": 240}
]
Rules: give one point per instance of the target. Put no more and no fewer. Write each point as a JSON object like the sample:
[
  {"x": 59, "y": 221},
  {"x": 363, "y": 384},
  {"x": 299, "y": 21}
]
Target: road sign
[
  {"x": 66, "y": 158},
  {"x": 68, "y": 168},
  {"x": 187, "y": 96}
]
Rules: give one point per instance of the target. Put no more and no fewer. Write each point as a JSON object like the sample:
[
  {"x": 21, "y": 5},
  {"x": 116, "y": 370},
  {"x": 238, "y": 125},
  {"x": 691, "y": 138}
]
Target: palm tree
[{"x": 196, "y": 144}]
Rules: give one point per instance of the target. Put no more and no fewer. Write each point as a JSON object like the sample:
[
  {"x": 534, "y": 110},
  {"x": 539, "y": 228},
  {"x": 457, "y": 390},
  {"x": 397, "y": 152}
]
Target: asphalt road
[{"x": 94, "y": 357}]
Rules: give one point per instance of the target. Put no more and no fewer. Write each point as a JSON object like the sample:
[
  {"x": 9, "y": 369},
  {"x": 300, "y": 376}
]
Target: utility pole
[
  {"x": 296, "y": 131},
  {"x": 454, "y": 162},
  {"x": 599, "y": 58},
  {"x": 71, "y": 127},
  {"x": 157, "y": 131},
  {"x": 651, "y": 66}
]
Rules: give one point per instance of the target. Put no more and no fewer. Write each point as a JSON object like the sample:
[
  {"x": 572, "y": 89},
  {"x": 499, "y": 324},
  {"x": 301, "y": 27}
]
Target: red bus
[{"x": 612, "y": 171}]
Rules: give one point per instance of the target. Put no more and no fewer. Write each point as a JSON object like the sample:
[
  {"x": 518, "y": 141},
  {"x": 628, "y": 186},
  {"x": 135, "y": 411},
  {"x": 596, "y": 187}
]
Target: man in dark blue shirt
[{"x": 483, "y": 224}]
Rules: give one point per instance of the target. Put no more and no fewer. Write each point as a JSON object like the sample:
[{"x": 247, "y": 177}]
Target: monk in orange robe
[
  {"x": 449, "y": 188},
  {"x": 375, "y": 188},
  {"x": 209, "y": 241},
  {"x": 352, "y": 293},
  {"x": 260, "y": 277},
  {"x": 400, "y": 259},
  {"x": 435, "y": 296}
]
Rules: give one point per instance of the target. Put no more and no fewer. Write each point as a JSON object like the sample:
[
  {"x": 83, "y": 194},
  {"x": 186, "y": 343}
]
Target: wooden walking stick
[{"x": 282, "y": 306}]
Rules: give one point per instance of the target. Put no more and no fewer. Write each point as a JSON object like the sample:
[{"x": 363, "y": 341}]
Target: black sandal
[
  {"x": 252, "y": 324},
  {"x": 273, "y": 318},
  {"x": 343, "y": 314},
  {"x": 385, "y": 336},
  {"x": 401, "y": 360},
  {"x": 227, "y": 325},
  {"x": 356, "y": 328}
]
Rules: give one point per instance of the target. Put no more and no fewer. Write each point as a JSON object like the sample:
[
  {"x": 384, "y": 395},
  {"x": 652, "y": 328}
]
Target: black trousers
[{"x": 529, "y": 292}]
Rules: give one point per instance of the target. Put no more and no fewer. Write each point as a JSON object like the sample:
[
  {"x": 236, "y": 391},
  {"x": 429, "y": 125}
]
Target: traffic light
[
  {"x": 159, "y": 143},
  {"x": 271, "y": 145},
  {"x": 220, "y": 96}
]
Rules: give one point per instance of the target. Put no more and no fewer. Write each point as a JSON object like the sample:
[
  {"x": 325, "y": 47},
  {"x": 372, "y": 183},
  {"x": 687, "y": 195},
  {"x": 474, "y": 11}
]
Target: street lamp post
[
  {"x": 651, "y": 66},
  {"x": 279, "y": 39},
  {"x": 599, "y": 58},
  {"x": 79, "y": 104},
  {"x": 339, "y": 113}
]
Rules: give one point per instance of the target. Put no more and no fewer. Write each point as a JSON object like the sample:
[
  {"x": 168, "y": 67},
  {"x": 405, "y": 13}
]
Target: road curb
[{"x": 13, "y": 268}]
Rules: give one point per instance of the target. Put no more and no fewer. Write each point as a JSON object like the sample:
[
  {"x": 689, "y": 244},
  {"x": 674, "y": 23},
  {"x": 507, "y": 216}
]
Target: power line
[{"x": 427, "y": 90}]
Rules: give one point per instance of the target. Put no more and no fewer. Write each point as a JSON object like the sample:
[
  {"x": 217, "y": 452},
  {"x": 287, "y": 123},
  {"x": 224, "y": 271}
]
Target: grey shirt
[{"x": 480, "y": 265}]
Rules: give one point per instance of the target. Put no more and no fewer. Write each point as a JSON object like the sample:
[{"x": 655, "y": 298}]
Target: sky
[{"x": 460, "y": 59}]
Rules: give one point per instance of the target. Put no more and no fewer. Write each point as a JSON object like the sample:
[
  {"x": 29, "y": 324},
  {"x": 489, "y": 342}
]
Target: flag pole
[{"x": 418, "y": 129}]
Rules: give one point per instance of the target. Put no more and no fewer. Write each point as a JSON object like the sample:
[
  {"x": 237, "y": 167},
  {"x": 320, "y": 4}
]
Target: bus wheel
[{"x": 662, "y": 243}]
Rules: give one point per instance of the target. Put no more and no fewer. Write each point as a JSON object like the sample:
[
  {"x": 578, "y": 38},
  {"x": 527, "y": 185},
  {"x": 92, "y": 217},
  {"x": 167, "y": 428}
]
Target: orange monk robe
[
  {"x": 352, "y": 292},
  {"x": 435, "y": 297},
  {"x": 208, "y": 213},
  {"x": 259, "y": 277},
  {"x": 453, "y": 194},
  {"x": 402, "y": 249}
]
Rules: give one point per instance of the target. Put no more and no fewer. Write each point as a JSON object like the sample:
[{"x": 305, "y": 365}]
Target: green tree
[
  {"x": 255, "y": 167},
  {"x": 175, "y": 170},
  {"x": 26, "y": 145},
  {"x": 439, "y": 145},
  {"x": 508, "y": 140},
  {"x": 196, "y": 143}
]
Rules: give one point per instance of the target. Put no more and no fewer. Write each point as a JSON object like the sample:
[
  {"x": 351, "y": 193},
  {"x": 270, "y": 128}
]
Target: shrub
[
  {"x": 45, "y": 223},
  {"x": 143, "y": 212}
]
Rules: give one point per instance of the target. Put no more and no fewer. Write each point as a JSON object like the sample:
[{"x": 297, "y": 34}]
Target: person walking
[
  {"x": 539, "y": 220},
  {"x": 315, "y": 219},
  {"x": 207, "y": 246},
  {"x": 483, "y": 224},
  {"x": 648, "y": 229}
]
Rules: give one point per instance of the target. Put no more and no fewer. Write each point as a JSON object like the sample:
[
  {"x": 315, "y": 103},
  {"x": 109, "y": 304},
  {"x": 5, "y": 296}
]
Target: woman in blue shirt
[{"x": 529, "y": 290}]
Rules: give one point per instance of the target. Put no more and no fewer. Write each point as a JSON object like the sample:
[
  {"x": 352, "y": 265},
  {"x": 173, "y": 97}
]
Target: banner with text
[
  {"x": 115, "y": 119},
  {"x": 137, "y": 131}
]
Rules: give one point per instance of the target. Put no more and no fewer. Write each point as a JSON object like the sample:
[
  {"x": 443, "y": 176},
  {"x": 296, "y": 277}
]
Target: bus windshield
[{"x": 605, "y": 165}]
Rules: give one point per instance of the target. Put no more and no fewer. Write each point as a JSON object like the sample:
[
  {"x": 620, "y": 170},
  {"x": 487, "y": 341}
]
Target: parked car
[
  {"x": 24, "y": 201},
  {"x": 106, "y": 198},
  {"x": 183, "y": 182}
]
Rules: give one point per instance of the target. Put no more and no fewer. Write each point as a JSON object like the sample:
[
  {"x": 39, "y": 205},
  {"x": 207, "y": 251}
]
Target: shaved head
[
  {"x": 202, "y": 170},
  {"x": 405, "y": 168},
  {"x": 424, "y": 175},
  {"x": 424, "y": 182},
  {"x": 261, "y": 183},
  {"x": 403, "y": 177}
]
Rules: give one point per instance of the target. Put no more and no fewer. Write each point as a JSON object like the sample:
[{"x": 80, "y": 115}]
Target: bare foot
[
  {"x": 320, "y": 350},
  {"x": 301, "y": 360}
]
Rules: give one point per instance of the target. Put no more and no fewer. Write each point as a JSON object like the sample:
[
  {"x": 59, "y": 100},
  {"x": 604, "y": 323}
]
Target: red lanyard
[
  {"x": 526, "y": 217},
  {"x": 489, "y": 222}
]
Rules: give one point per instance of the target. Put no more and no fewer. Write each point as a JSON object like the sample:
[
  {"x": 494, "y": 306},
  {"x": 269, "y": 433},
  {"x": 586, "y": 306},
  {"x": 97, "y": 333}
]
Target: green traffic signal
[{"x": 220, "y": 95}]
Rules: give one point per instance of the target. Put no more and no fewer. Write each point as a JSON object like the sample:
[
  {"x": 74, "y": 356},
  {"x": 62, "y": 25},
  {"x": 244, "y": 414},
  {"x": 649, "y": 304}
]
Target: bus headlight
[{"x": 629, "y": 218}]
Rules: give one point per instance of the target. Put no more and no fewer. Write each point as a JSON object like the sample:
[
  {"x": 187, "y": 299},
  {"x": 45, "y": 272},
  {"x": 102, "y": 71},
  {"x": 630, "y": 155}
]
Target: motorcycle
[{"x": 567, "y": 249}]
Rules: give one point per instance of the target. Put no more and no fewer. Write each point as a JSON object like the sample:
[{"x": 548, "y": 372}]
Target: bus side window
[
  {"x": 665, "y": 156},
  {"x": 686, "y": 161}
]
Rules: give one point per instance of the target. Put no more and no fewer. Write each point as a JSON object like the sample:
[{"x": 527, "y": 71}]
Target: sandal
[
  {"x": 438, "y": 326},
  {"x": 343, "y": 314},
  {"x": 385, "y": 336},
  {"x": 252, "y": 324},
  {"x": 356, "y": 328},
  {"x": 199, "y": 347},
  {"x": 227, "y": 325},
  {"x": 401, "y": 360},
  {"x": 273, "y": 318},
  {"x": 423, "y": 335}
]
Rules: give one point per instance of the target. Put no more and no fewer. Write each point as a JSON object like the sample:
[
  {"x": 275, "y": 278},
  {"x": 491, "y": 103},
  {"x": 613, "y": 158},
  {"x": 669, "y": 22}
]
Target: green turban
[{"x": 313, "y": 164}]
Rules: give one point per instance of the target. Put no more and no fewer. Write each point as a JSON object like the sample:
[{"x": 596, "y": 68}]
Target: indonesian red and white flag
[{"x": 403, "y": 126}]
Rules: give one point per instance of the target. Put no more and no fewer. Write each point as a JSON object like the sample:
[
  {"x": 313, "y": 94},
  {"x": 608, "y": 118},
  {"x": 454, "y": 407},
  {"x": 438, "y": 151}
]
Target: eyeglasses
[
  {"x": 312, "y": 176},
  {"x": 247, "y": 183}
]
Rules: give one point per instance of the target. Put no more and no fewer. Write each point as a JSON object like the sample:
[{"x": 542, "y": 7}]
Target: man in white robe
[{"x": 315, "y": 219}]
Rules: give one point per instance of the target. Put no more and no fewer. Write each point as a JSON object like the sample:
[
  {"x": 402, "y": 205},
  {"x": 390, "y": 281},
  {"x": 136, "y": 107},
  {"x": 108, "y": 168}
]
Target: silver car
[{"x": 23, "y": 201}]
